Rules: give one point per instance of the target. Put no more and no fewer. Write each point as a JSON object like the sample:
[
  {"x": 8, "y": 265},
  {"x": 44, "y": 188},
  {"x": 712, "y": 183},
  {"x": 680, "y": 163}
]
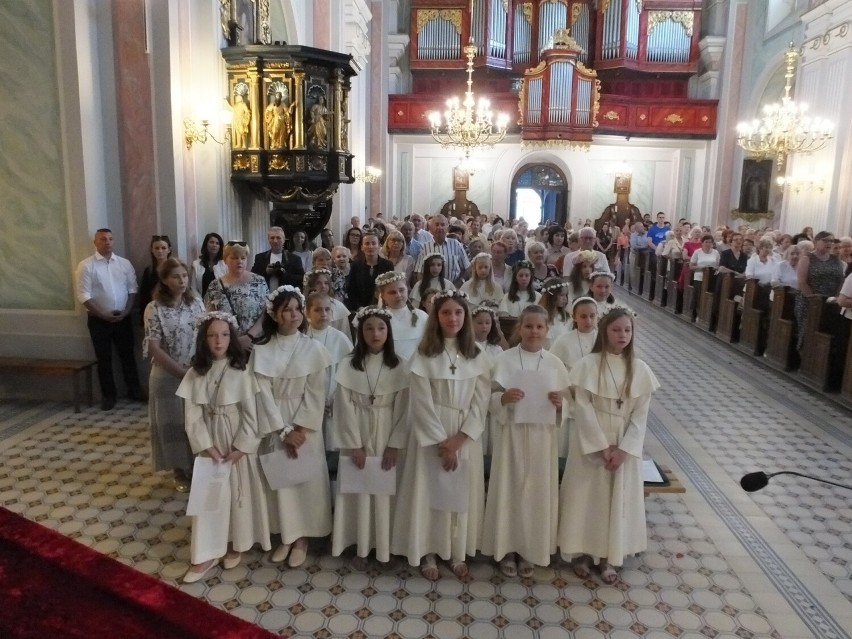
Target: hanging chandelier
[
  {"x": 785, "y": 128},
  {"x": 468, "y": 125}
]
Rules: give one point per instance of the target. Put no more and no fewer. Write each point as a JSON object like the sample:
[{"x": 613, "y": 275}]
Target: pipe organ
[{"x": 643, "y": 52}]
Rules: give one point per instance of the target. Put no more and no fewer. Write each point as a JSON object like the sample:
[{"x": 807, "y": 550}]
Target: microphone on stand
[{"x": 751, "y": 482}]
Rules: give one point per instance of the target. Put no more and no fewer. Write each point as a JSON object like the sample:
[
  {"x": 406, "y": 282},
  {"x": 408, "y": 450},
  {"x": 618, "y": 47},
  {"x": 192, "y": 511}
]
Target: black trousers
[{"x": 104, "y": 335}]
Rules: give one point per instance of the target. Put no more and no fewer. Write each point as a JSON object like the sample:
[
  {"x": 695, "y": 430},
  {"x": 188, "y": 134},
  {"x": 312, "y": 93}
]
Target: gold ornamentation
[
  {"x": 276, "y": 65},
  {"x": 453, "y": 16},
  {"x": 279, "y": 162},
  {"x": 562, "y": 39},
  {"x": 240, "y": 162},
  {"x": 255, "y": 165},
  {"x": 611, "y": 115},
  {"x": 751, "y": 218},
  {"x": 604, "y": 6},
  {"x": 596, "y": 102},
  {"x": 674, "y": 118},
  {"x": 576, "y": 10},
  {"x": 527, "y": 9},
  {"x": 536, "y": 69},
  {"x": 685, "y": 19},
  {"x": 556, "y": 144}
]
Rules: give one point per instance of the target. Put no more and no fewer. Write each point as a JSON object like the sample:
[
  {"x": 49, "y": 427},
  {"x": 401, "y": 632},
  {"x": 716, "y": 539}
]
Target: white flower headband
[
  {"x": 602, "y": 274},
  {"x": 270, "y": 299},
  {"x": 316, "y": 271},
  {"x": 217, "y": 315},
  {"x": 484, "y": 308},
  {"x": 455, "y": 294},
  {"x": 620, "y": 307},
  {"x": 431, "y": 254},
  {"x": 554, "y": 286},
  {"x": 370, "y": 311},
  {"x": 389, "y": 278}
]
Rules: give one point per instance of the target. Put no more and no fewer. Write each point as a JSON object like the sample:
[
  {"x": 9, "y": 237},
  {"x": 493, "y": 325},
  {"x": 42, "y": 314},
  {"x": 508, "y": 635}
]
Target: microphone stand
[{"x": 763, "y": 479}]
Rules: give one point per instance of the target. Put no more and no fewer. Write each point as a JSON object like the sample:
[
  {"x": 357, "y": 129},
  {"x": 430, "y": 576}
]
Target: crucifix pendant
[
  {"x": 619, "y": 402},
  {"x": 372, "y": 399},
  {"x": 453, "y": 369}
]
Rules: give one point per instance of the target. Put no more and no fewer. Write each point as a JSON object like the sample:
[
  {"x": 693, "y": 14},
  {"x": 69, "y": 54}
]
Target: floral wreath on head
[
  {"x": 389, "y": 278},
  {"x": 620, "y": 307},
  {"x": 485, "y": 308},
  {"x": 553, "y": 286},
  {"x": 601, "y": 274},
  {"x": 587, "y": 257},
  {"x": 223, "y": 316},
  {"x": 270, "y": 299},
  {"x": 523, "y": 264},
  {"x": 316, "y": 271},
  {"x": 370, "y": 311},
  {"x": 582, "y": 300},
  {"x": 454, "y": 294},
  {"x": 432, "y": 254}
]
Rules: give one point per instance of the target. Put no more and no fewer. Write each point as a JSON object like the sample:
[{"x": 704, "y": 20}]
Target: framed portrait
[
  {"x": 461, "y": 179},
  {"x": 754, "y": 187}
]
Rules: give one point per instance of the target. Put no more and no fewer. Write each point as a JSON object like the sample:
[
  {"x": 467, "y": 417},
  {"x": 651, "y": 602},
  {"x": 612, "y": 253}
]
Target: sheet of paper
[
  {"x": 535, "y": 408},
  {"x": 282, "y": 471},
  {"x": 650, "y": 472},
  {"x": 371, "y": 480},
  {"x": 211, "y": 486},
  {"x": 448, "y": 490}
]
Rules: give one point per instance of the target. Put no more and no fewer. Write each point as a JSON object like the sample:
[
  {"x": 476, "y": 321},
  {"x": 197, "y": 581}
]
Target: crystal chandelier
[
  {"x": 785, "y": 128},
  {"x": 468, "y": 125}
]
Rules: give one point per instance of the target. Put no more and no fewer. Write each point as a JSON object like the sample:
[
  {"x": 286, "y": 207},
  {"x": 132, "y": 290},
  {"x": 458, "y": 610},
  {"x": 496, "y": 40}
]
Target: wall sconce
[
  {"x": 796, "y": 184},
  {"x": 370, "y": 174},
  {"x": 200, "y": 131}
]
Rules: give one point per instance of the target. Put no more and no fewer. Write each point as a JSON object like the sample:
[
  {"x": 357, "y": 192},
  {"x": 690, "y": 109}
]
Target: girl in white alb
[
  {"x": 408, "y": 322},
  {"x": 221, "y": 423},
  {"x": 292, "y": 370},
  {"x": 319, "y": 280},
  {"x": 482, "y": 287},
  {"x": 521, "y": 293},
  {"x": 371, "y": 406},
  {"x": 554, "y": 299}
]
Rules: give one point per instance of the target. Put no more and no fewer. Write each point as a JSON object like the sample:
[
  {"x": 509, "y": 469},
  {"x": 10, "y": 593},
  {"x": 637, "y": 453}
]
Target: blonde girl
[
  {"x": 408, "y": 322},
  {"x": 482, "y": 287}
]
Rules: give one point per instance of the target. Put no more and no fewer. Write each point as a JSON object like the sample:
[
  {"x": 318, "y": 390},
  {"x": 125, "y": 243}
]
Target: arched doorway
[{"x": 540, "y": 195}]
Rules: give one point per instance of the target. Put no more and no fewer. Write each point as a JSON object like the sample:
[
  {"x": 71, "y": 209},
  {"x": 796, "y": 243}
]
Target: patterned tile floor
[{"x": 720, "y": 563}]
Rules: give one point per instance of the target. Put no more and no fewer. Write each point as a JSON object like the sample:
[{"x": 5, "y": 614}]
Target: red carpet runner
[{"x": 52, "y": 586}]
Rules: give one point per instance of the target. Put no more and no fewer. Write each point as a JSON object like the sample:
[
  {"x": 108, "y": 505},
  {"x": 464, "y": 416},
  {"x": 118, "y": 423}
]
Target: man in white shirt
[
  {"x": 106, "y": 286},
  {"x": 456, "y": 261},
  {"x": 420, "y": 233},
  {"x": 587, "y": 243}
]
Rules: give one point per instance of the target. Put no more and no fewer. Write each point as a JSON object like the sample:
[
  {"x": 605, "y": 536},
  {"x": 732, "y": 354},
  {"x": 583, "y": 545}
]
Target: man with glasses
[
  {"x": 277, "y": 266},
  {"x": 587, "y": 243},
  {"x": 106, "y": 286}
]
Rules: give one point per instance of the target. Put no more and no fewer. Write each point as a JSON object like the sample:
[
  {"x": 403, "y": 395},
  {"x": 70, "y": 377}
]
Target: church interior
[{"x": 153, "y": 118}]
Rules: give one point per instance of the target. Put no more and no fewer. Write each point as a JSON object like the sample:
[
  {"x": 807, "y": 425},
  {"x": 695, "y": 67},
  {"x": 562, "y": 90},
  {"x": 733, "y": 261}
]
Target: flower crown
[
  {"x": 454, "y": 294},
  {"x": 315, "y": 271},
  {"x": 602, "y": 274},
  {"x": 485, "y": 308},
  {"x": 431, "y": 254},
  {"x": 217, "y": 315},
  {"x": 523, "y": 264},
  {"x": 389, "y": 278},
  {"x": 553, "y": 286},
  {"x": 620, "y": 307},
  {"x": 270, "y": 299},
  {"x": 588, "y": 257},
  {"x": 370, "y": 311},
  {"x": 479, "y": 255},
  {"x": 582, "y": 300}
]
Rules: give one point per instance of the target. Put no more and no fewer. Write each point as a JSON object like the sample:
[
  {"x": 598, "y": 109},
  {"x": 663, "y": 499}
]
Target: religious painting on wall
[
  {"x": 754, "y": 187},
  {"x": 245, "y": 22}
]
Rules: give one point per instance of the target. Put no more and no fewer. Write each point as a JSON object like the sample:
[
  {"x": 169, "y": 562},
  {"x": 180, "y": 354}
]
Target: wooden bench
[
  {"x": 674, "y": 487},
  {"x": 54, "y": 368}
]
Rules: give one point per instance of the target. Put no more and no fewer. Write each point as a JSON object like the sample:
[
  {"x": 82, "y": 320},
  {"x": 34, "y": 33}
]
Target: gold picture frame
[{"x": 245, "y": 22}]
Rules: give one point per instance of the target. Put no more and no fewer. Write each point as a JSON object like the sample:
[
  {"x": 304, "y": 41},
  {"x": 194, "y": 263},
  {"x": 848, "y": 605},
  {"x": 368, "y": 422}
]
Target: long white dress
[
  {"x": 406, "y": 336},
  {"x": 338, "y": 346},
  {"x": 221, "y": 411},
  {"x": 476, "y": 297},
  {"x": 556, "y": 330},
  {"x": 489, "y": 433},
  {"x": 522, "y": 507},
  {"x": 513, "y": 309},
  {"x": 340, "y": 317},
  {"x": 291, "y": 373},
  {"x": 570, "y": 349},
  {"x": 602, "y": 513},
  {"x": 373, "y": 424},
  {"x": 442, "y": 403}
]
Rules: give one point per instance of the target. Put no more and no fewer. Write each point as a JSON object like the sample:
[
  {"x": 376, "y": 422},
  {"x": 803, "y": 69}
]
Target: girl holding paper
[
  {"x": 602, "y": 503},
  {"x": 291, "y": 371},
  {"x": 371, "y": 426},
  {"x": 221, "y": 423},
  {"x": 449, "y": 393},
  {"x": 521, "y": 512}
]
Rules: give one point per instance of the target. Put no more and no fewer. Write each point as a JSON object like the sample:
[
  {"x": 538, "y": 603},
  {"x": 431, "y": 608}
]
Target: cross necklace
[
  {"x": 373, "y": 387},
  {"x": 619, "y": 402},
  {"x": 452, "y": 363},
  {"x": 521, "y": 358}
]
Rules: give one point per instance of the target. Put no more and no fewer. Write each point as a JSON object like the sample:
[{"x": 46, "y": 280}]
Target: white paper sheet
[
  {"x": 283, "y": 471},
  {"x": 211, "y": 486},
  {"x": 650, "y": 473},
  {"x": 448, "y": 490},
  {"x": 535, "y": 408},
  {"x": 371, "y": 480}
]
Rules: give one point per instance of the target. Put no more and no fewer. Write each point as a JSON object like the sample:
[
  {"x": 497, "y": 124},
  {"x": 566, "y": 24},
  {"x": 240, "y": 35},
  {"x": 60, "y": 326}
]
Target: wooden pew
[
  {"x": 728, "y": 324},
  {"x": 674, "y": 296},
  {"x": 692, "y": 294},
  {"x": 817, "y": 342},
  {"x": 638, "y": 265},
  {"x": 705, "y": 300},
  {"x": 507, "y": 325},
  {"x": 780, "y": 346},
  {"x": 754, "y": 318},
  {"x": 660, "y": 291},
  {"x": 651, "y": 277}
]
